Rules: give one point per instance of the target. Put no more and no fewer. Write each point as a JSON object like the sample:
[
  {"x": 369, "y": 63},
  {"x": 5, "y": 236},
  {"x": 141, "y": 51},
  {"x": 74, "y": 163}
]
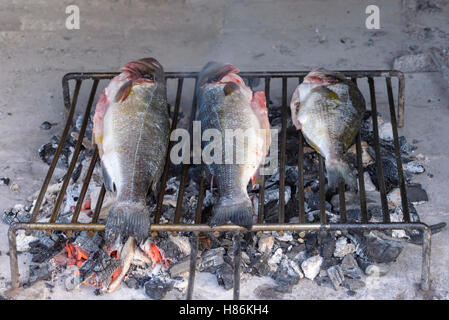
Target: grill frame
[{"x": 196, "y": 228}]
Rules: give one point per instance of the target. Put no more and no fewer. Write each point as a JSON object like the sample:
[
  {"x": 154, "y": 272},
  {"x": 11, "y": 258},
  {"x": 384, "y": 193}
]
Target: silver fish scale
[
  {"x": 140, "y": 154},
  {"x": 228, "y": 112},
  {"x": 336, "y": 120}
]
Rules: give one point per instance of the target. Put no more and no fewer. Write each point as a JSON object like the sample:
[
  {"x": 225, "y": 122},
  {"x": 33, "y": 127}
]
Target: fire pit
[{"x": 304, "y": 213}]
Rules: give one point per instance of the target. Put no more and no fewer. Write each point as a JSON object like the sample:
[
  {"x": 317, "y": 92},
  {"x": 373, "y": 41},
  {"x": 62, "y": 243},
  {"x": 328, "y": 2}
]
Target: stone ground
[{"x": 37, "y": 50}]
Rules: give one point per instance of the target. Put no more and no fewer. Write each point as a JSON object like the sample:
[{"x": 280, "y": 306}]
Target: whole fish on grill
[
  {"x": 328, "y": 109},
  {"x": 227, "y": 103},
  {"x": 131, "y": 130}
]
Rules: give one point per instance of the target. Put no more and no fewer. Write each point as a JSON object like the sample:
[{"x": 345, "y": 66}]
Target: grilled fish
[
  {"x": 328, "y": 109},
  {"x": 227, "y": 103},
  {"x": 131, "y": 130}
]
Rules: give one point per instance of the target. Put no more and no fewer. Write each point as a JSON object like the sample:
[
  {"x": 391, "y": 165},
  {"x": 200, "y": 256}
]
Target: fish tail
[
  {"x": 127, "y": 219},
  {"x": 238, "y": 211},
  {"x": 339, "y": 170}
]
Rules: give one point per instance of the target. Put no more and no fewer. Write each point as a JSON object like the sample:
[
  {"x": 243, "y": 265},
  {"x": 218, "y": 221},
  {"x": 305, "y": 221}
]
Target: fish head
[
  {"x": 323, "y": 77},
  {"x": 139, "y": 75},
  {"x": 218, "y": 72},
  {"x": 143, "y": 70}
]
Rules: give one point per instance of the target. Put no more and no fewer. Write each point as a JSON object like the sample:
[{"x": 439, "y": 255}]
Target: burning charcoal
[
  {"x": 285, "y": 237},
  {"x": 23, "y": 241},
  {"x": 47, "y": 247},
  {"x": 379, "y": 250},
  {"x": 45, "y": 125},
  {"x": 87, "y": 243},
  {"x": 327, "y": 244},
  {"x": 389, "y": 169},
  {"x": 15, "y": 215},
  {"x": 48, "y": 150},
  {"x": 366, "y": 158},
  {"x": 77, "y": 172},
  {"x": 39, "y": 272},
  {"x": 272, "y": 194},
  {"x": 416, "y": 194},
  {"x": 373, "y": 201},
  {"x": 311, "y": 240},
  {"x": 191, "y": 189},
  {"x": 79, "y": 123},
  {"x": 311, "y": 266},
  {"x": 394, "y": 198},
  {"x": 132, "y": 283},
  {"x": 182, "y": 266},
  {"x": 5, "y": 181},
  {"x": 385, "y": 131},
  {"x": 265, "y": 243},
  {"x": 104, "y": 270},
  {"x": 291, "y": 175},
  {"x": 336, "y": 275},
  {"x": 316, "y": 214},
  {"x": 169, "y": 248},
  {"x": 351, "y": 268},
  {"x": 297, "y": 253},
  {"x": 405, "y": 147},
  {"x": 259, "y": 266},
  {"x": 287, "y": 275},
  {"x": 343, "y": 247},
  {"x": 353, "y": 284},
  {"x": 355, "y": 215},
  {"x": 245, "y": 259},
  {"x": 182, "y": 243},
  {"x": 413, "y": 167},
  {"x": 210, "y": 199},
  {"x": 73, "y": 281},
  {"x": 212, "y": 259},
  {"x": 156, "y": 288},
  {"x": 369, "y": 185},
  {"x": 324, "y": 281},
  {"x": 313, "y": 201},
  {"x": 225, "y": 276},
  {"x": 275, "y": 259}
]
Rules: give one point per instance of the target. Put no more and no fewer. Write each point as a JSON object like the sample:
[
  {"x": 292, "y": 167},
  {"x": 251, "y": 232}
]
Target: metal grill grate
[{"x": 196, "y": 228}]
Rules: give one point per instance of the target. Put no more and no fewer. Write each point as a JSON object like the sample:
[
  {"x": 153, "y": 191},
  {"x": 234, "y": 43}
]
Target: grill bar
[
  {"x": 57, "y": 154},
  {"x": 380, "y": 172},
  {"x": 197, "y": 227},
  {"x": 237, "y": 254},
  {"x": 283, "y": 152},
  {"x": 404, "y": 202},
  {"x": 76, "y": 153},
  {"x": 301, "y": 198},
  {"x": 170, "y": 145},
  {"x": 83, "y": 191},
  {"x": 322, "y": 191},
  {"x": 361, "y": 179}
]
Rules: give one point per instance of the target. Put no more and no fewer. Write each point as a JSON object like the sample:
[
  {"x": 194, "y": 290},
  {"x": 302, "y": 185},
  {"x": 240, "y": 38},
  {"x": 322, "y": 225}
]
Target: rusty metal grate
[{"x": 370, "y": 76}]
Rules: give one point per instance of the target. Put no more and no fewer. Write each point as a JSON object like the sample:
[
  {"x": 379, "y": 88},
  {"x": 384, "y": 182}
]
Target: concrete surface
[{"x": 36, "y": 50}]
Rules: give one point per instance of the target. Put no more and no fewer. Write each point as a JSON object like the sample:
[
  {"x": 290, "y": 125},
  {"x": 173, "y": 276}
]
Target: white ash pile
[{"x": 336, "y": 259}]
